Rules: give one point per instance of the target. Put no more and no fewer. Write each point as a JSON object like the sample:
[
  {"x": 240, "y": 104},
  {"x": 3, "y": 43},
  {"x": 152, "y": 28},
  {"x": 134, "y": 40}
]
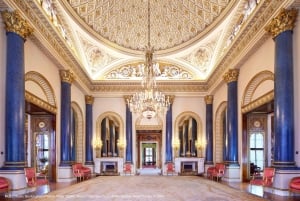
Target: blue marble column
[
  {"x": 281, "y": 29},
  {"x": 128, "y": 135},
  {"x": 17, "y": 30},
  {"x": 169, "y": 132},
  {"x": 65, "y": 123},
  {"x": 209, "y": 129},
  {"x": 231, "y": 78},
  {"x": 89, "y": 100}
]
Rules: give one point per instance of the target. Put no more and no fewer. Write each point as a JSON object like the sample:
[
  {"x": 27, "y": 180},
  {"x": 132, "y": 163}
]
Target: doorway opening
[
  {"x": 40, "y": 140},
  {"x": 258, "y": 137},
  {"x": 149, "y": 149}
]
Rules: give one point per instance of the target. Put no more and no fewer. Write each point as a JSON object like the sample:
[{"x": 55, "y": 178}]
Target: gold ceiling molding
[
  {"x": 259, "y": 19},
  {"x": 258, "y": 102},
  {"x": 48, "y": 39},
  {"x": 167, "y": 87},
  {"x": 124, "y": 23},
  {"x": 135, "y": 71},
  {"x": 29, "y": 97}
]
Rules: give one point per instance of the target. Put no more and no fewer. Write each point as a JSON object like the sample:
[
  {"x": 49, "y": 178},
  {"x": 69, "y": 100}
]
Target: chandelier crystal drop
[{"x": 149, "y": 101}]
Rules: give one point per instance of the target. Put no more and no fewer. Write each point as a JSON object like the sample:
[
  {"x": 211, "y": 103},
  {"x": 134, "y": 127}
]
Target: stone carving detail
[
  {"x": 231, "y": 75},
  {"x": 136, "y": 71},
  {"x": 95, "y": 57},
  {"x": 67, "y": 76},
  {"x": 15, "y": 23},
  {"x": 209, "y": 99},
  {"x": 89, "y": 99},
  {"x": 125, "y": 23},
  {"x": 284, "y": 21}
]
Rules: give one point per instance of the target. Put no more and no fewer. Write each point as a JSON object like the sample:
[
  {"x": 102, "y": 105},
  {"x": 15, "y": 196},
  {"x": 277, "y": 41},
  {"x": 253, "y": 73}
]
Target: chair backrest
[
  {"x": 268, "y": 176},
  {"x": 127, "y": 167},
  {"x": 170, "y": 167},
  {"x": 30, "y": 176},
  {"x": 4, "y": 184}
]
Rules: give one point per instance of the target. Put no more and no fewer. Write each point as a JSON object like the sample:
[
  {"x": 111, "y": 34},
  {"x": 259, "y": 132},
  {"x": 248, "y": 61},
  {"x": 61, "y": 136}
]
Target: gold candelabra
[
  {"x": 97, "y": 144},
  {"x": 199, "y": 145},
  {"x": 121, "y": 145},
  {"x": 176, "y": 145}
]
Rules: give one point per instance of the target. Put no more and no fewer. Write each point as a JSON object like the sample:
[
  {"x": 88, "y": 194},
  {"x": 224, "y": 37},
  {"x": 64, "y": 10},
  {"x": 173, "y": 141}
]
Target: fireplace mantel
[
  {"x": 108, "y": 160},
  {"x": 199, "y": 161}
]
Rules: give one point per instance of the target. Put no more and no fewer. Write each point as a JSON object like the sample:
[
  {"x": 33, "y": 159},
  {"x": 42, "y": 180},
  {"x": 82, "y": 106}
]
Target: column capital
[
  {"x": 89, "y": 99},
  {"x": 231, "y": 75},
  {"x": 15, "y": 23},
  {"x": 171, "y": 98},
  {"x": 209, "y": 99},
  {"x": 67, "y": 76},
  {"x": 284, "y": 21}
]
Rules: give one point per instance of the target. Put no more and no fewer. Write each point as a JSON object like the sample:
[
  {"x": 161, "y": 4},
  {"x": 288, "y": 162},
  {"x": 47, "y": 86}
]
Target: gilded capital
[
  {"x": 284, "y": 21},
  {"x": 67, "y": 76},
  {"x": 89, "y": 99},
  {"x": 209, "y": 99},
  {"x": 15, "y": 23},
  {"x": 231, "y": 76}
]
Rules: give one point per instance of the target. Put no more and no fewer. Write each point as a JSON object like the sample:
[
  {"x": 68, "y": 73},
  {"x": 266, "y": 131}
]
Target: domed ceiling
[{"x": 103, "y": 41}]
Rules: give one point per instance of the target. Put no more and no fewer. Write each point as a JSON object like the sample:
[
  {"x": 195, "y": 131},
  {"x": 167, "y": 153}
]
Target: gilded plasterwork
[
  {"x": 161, "y": 70},
  {"x": 172, "y": 22}
]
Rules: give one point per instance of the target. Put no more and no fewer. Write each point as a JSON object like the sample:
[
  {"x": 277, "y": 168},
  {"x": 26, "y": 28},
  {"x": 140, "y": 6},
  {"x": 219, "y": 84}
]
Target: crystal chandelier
[{"x": 149, "y": 101}]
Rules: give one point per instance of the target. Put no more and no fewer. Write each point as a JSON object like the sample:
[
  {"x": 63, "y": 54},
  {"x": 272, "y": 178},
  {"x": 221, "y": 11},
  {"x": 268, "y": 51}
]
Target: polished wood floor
[{"x": 257, "y": 190}]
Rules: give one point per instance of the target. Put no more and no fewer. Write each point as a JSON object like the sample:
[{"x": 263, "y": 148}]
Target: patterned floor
[{"x": 146, "y": 188}]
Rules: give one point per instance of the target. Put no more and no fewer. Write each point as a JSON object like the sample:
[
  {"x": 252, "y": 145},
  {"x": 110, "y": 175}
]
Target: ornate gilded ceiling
[
  {"x": 103, "y": 41},
  {"x": 172, "y": 23}
]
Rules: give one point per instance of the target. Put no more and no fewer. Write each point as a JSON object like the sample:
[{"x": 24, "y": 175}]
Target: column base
[
  {"x": 232, "y": 173},
  {"x": 282, "y": 179},
  {"x": 65, "y": 174}
]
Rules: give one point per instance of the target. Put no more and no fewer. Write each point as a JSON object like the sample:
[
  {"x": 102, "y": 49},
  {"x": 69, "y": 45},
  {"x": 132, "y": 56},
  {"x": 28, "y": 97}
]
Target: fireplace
[
  {"x": 109, "y": 168},
  {"x": 189, "y": 167}
]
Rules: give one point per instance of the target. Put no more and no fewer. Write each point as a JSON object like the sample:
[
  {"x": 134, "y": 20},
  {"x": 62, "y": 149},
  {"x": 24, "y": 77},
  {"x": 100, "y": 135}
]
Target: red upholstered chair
[
  {"x": 219, "y": 171},
  {"x": 32, "y": 180},
  {"x": 4, "y": 185},
  {"x": 266, "y": 179},
  {"x": 81, "y": 172},
  {"x": 127, "y": 168},
  {"x": 170, "y": 168},
  {"x": 294, "y": 185},
  {"x": 216, "y": 171}
]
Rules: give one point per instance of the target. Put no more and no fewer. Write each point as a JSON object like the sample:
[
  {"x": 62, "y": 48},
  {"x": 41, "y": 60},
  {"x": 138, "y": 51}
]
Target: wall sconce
[
  {"x": 121, "y": 145},
  {"x": 176, "y": 145},
  {"x": 199, "y": 145},
  {"x": 97, "y": 144}
]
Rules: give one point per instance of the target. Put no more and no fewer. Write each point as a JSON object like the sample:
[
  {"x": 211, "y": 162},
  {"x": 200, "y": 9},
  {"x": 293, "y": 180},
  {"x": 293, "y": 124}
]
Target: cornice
[
  {"x": 258, "y": 102},
  {"x": 247, "y": 40},
  {"x": 39, "y": 102},
  {"x": 49, "y": 40}
]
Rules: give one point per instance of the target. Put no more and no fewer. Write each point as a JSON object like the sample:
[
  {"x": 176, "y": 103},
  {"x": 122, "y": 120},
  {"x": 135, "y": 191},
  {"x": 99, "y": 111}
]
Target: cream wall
[{"x": 2, "y": 89}]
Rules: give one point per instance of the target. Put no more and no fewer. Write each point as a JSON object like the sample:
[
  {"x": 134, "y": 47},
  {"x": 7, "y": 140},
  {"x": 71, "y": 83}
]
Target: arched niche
[{"x": 188, "y": 132}]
